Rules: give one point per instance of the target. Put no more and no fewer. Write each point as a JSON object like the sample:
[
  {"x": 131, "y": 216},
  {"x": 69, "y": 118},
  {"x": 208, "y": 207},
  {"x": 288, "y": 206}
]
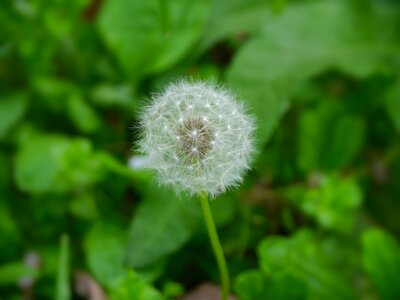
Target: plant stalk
[{"x": 216, "y": 245}]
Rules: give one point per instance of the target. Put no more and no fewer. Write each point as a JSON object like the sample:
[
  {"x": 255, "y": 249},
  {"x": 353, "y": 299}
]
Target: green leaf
[
  {"x": 12, "y": 108},
  {"x": 347, "y": 141},
  {"x": 251, "y": 285},
  {"x": 301, "y": 256},
  {"x": 131, "y": 286},
  {"x": 381, "y": 260},
  {"x": 53, "y": 163},
  {"x": 63, "y": 291},
  {"x": 150, "y": 36},
  {"x": 333, "y": 203},
  {"x": 162, "y": 224},
  {"x": 82, "y": 114},
  {"x": 266, "y": 100},
  {"x": 328, "y": 138},
  {"x": 303, "y": 41},
  {"x": 105, "y": 249},
  {"x": 279, "y": 255},
  {"x": 231, "y": 18},
  {"x": 154, "y": 271},
  {"x": 279, "y": 288}
]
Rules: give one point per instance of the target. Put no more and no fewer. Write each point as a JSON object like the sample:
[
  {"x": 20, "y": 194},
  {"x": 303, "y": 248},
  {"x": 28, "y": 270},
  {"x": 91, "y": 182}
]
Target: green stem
[{"x": 216, "y": 245}]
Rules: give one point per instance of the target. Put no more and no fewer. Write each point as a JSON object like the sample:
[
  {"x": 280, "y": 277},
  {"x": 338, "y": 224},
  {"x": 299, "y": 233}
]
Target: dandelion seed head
[{"x": 198, "y": 138}]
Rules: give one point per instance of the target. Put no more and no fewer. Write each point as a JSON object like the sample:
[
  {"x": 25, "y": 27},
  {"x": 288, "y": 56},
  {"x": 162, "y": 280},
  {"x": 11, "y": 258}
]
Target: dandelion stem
[{"x": 216, "y": 245}]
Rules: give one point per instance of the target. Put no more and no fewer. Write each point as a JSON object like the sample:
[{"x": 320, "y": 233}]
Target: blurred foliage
[{"x": 317, "y": 218}]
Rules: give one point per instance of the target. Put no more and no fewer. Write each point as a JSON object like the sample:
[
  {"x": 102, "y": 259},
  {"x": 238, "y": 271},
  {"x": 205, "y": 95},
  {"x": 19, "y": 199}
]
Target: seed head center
[{"x": 195, "y": 138}]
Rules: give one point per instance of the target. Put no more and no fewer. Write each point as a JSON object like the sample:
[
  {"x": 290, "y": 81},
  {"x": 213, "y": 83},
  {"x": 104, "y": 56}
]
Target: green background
[{"x": 316, "y": 218}]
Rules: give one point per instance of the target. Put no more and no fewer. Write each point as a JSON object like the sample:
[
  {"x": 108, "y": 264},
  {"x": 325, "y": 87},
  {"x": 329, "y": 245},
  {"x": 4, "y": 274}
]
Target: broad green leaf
[
  {"x": 381, "y": 260},
  {"x": 232, "y": 18},
  {"x": 12, "y": 108},
  {"x": 53, "y": 163},
  {"x": 162, "y": 224},
  {"x": 279, "y": 288},
  {"x": 254, "y": 285},
  {"x": 328, "y": 138},
  {"x": 251, "y": 285},
  {"x": 279, "y": 254},
  {"x": 303, "y": 41},
  {"x": 131, "y": 286},
  {"x": 37, "y": 163},
  {"x": 63, "y": 291},
  {"x": 347, "y": 141},
  {"x": 82, "y": 114},
  {"x": 154, "y": 271},
  {"x": 303, "y": 257},
  {"x": 333, "y": 203},
  {"x": 267, "y": 101},
  {"x": 150, "y": 36},
  {"x": 105, "y": 249}
]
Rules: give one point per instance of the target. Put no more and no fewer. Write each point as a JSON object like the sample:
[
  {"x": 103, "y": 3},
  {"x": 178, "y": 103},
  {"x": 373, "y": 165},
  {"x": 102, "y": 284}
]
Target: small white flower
[{"x": 197, "y": 137}]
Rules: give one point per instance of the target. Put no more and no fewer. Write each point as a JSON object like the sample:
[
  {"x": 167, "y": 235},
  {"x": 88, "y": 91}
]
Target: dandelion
[
  {"x": 198, "y": 138},
  {"x": 200, "y": 141}
]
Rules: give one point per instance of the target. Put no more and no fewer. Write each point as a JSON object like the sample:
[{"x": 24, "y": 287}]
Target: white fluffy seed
[{"x": 192, "y": 145}]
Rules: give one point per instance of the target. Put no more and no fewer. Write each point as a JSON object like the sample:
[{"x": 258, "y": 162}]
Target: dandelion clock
[{"x": 199, "y": 140}]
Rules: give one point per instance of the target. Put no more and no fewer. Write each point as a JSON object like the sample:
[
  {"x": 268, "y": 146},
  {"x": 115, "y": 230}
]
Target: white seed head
[{"x": 197, "y": 137}]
